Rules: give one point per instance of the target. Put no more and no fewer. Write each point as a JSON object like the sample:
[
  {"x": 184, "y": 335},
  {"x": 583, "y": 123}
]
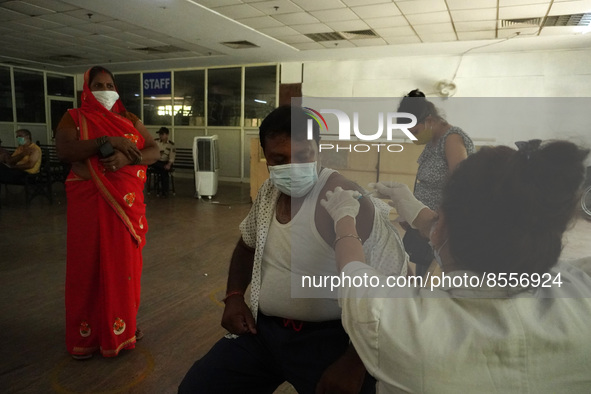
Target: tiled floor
[{"x": 185, "y": 265}]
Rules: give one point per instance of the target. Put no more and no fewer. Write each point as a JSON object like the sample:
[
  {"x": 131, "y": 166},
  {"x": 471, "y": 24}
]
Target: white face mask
[
  {"x": 296, "y": 179},
  {"x": 106, "y": 97}
]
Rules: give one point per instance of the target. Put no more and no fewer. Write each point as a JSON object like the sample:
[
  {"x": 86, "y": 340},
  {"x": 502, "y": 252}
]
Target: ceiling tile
[
  {"x": 348, "y": 25},
  {"x": 40, "y": 23},
  {"x": 315, "y": 5},
  {"x": 62, "y": 19},
  {"x": 387, "y": 22},
  {"x": 278, "y": 31},
  {"x": 72, "y": 31},
  {"x": 438, "y": 37},
  {"x": 297, "y": 39},
  {"x": 9, "y": 15},
  {"x": 101, "y": 38},
  {"x": 337, "y": 44},
  {"x": 530, "y": 11},
  {"x": 297, "y": 18},
  {"x": 260, "y": 22},
  {"x": 470, "y": 4},
  {"x": 376, "y": 10},
  {"x": 312, "y": 28},
  {"x": 125, "y": 37},
  {"x": 26, "y": 8},
  {"x": 54, "y": 5},
  {"x": 344, "y": 14},
  {"x": 517, "y": 33},
  {"x": 476, "y": 35},
  {"x": 570, "y": 7},
  {"x": 18, "y": 26},
  {"x": 154, "y": 35},
  {"x": 53, "y": 35},
  {"x": 121, "y": 25},
  {"x": 284, "y": 7},
  {"x": 431, "y": 17},
  {"x": 560, "y": 30},
  {"x": 238, "y": 11},
  {"x": 475, "y": 26},
  {"x": 402, "y": 40},
  {"x": 94, "y": 17},
  {"x": 97, "y": 28},
  {"x": 353, "y": 3},
  {"x": 217, "y": 3},
  {"x": 421, "y": 6},
  {"x": 369, "y": 42},
  {"x": 308, "y": 46},
  {"x": 395, "y": 31},
  {"x": 435, "y": 28},
  {"x": 123, "y": 44},
  {"x": 485, "y": 14},
  {"x": 508, "y": 3}
]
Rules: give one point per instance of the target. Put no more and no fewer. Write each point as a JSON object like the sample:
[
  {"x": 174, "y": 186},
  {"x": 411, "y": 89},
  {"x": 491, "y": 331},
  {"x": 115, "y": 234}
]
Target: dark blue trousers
[{"x": 282, "y": 350}]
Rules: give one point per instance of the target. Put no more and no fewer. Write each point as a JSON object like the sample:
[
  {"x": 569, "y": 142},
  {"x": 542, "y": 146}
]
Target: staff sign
[{"x": 157, "y": 83}]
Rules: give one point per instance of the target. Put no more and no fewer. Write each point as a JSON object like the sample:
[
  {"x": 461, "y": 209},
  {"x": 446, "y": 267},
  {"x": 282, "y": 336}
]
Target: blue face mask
[
  {"x": 296, "y": 179},
  {"x": 21, "y": 140}
]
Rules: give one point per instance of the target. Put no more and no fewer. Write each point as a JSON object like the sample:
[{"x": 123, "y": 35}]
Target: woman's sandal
[{"x": 139, "y": 334}]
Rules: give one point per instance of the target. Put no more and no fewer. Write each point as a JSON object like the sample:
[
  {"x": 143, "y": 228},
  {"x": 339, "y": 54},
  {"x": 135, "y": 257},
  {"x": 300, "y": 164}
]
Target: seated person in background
[
  {"x": 167, "y": 155},
  {"x": 525, "y": 329},
  {"x": 287, "y": 234},
  {"x": 26, "y": 159}
]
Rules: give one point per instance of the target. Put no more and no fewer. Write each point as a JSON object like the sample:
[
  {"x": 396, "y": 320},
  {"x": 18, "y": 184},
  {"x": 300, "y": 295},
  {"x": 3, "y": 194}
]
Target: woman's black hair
[
  {"x": 415, "y": 103},
  {"x": 506, "y": 210},
  {"x": 96, "y": 70},
  {"x": 289, "y": 120}
]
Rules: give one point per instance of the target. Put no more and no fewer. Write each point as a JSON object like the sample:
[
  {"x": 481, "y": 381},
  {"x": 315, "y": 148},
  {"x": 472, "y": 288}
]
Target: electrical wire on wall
[{"x": 448, "y": 87}]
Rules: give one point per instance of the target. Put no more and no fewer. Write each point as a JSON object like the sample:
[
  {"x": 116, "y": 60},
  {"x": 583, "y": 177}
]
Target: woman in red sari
[{"x": 109, "y": 149}]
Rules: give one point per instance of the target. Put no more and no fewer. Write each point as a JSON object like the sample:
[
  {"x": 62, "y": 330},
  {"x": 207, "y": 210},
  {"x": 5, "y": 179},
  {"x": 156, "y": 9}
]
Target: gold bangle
[{"x": 347, "y": 236}]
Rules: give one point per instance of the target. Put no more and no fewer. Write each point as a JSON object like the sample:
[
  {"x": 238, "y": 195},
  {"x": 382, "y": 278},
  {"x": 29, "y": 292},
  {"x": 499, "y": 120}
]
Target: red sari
[{"x": 106, "y": 234}]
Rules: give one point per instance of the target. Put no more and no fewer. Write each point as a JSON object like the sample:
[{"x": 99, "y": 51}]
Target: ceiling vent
[
  {"x": 161, "y": 49},
  {"x": 568, "y": 20},
  {"x": 521, "y": 22},
  {"x": 331, "y": 36},
  {"x": 240, "y": 44},
  {"x": 358, "y": 34}
]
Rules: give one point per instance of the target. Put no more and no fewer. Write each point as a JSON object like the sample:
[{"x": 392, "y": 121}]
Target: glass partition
[
  {"x": 60, "y": 85},
  {"x": 189, "y": 98},
  {"x": 129, "y": 88},
  {"x": 30, "y": 96},
  {"x": 224, "y": 96},
  {"x": 5, "y": 95},
  {"x": 259, "y": 94}
]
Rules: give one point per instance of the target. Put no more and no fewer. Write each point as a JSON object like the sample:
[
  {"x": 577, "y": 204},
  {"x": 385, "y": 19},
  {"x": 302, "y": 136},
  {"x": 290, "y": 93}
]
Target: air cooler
[{"x": 206, "y": 162}]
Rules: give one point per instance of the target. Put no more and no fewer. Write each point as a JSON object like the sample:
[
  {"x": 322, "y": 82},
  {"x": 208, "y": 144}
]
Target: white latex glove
[
  {"x": 407, "y": 206},
  {"x": 341, "y": 203}
]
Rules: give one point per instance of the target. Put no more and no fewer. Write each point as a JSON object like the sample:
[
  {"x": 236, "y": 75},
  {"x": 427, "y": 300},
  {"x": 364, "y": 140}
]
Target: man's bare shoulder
[{"x": 337, "y": 179}]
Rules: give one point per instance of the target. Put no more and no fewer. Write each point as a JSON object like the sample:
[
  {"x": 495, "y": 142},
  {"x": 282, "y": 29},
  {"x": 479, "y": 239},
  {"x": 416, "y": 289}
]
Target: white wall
[
  {"x": 559, "y": 76},
  {"x": 564, "y": 73}
]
